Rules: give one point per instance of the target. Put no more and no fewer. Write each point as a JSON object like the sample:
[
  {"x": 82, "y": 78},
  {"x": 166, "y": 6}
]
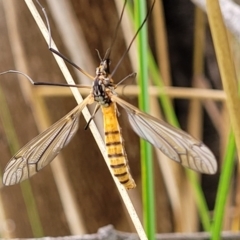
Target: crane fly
[{"x": 173, "y": 142}]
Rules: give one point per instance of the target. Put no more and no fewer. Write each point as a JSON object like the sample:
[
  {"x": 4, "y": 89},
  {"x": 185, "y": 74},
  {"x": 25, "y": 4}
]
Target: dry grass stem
[{"x": 92, "y": 126}]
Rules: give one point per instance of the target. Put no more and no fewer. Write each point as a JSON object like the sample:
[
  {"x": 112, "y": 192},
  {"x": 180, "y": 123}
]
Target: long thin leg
[
  {"x": 55, "y": 51},
  {"x": 46, "y": 83},
  {"x": 92, "y": 117}
]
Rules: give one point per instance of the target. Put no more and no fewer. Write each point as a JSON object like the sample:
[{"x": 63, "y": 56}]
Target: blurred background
[{"x": 77, "y": 195}]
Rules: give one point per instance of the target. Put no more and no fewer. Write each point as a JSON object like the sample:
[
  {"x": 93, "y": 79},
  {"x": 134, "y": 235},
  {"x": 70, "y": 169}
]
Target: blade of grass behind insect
[
  {"x": 223, "y": 188},
  {"x": 146, "y": 151},
  {"x": 33, "y": 216}
]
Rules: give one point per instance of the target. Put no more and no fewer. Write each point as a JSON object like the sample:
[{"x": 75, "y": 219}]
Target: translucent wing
[
  {"x": 173, "y": 142},
  {"x": 41, "y": 150}
]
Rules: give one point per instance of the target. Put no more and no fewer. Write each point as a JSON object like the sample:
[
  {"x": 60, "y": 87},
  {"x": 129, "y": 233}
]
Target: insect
[{"x": 173, "y": 142}]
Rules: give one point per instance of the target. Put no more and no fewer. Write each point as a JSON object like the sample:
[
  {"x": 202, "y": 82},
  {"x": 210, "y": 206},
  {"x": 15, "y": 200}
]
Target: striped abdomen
[{"x": 114, "y": 144}]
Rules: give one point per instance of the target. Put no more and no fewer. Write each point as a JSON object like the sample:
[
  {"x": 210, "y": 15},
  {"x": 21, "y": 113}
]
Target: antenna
[
  {"x": 134, "y": 37},
  {"x": 108, "y": 52}
]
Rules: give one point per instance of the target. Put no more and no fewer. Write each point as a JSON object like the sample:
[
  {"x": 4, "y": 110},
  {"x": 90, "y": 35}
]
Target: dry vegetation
[{"x": 77, "y": 195}]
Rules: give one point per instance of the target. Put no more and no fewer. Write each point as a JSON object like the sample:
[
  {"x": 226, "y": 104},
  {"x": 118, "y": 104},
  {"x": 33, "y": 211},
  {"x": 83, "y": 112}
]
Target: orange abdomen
[{"x": 114, "y": 144}]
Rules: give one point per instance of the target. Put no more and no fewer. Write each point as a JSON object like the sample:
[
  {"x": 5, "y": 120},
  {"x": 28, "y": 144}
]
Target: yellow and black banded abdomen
[{"x": 115, "y": 149}]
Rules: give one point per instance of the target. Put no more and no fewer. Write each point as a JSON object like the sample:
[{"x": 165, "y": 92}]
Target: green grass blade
[
  {"x": 223, "y": 188},
  {"x": 146, "y": 150}
]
